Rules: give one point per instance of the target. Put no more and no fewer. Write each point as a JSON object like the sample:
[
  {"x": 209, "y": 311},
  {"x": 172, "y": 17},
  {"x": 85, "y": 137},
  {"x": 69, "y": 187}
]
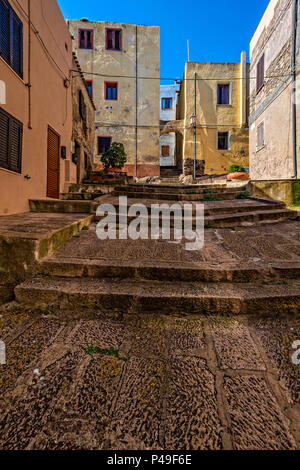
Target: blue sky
[{"x": 218, "y": 31}]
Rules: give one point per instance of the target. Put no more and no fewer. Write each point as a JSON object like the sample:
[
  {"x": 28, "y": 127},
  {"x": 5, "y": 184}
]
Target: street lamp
[{"x": 193, "y": 121}]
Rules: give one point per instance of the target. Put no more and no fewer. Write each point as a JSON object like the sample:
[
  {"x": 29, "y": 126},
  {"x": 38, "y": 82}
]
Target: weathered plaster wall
[
  {"x": 212, "y": 117},
  {"x": 272, "y": 105},
  {"x": 51, "y": 103},
  {"x": 83, "y": 133},
  {"x": 116, "y": 119}
]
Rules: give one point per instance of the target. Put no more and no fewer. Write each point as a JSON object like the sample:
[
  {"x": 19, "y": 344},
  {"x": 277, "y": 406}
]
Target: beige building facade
[
  {"x": 121, "y": 64},
  {"x": 36, "y": 104},
  {"x": 274, "y": 113},
  {"x": 212, "y": 118}
]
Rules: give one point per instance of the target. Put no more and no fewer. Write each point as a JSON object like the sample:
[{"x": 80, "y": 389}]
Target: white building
[{"x": 168, "y": 104}]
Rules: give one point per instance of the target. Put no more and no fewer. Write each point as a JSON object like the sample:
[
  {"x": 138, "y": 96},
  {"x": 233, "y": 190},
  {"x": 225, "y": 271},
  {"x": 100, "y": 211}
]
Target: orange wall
[{"x": 51, "y": 102}]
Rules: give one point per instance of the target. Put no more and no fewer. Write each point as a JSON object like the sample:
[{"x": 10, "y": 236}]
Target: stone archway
[{"x": 171, "y": 139}]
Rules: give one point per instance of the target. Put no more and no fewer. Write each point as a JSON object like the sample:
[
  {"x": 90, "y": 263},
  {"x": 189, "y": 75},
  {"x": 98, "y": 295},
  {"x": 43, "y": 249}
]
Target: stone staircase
[
  {"x": 239, "y": 270},
  {"x": 92, "y": 277}
]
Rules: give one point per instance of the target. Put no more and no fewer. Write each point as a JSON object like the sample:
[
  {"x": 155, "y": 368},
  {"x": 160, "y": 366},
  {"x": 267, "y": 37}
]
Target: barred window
[{"x": 11, "y": 38}]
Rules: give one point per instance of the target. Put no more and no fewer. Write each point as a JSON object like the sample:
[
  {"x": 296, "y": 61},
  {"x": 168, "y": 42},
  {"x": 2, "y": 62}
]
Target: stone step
[
  {"x": 165, "y": 271},
  {"x": 179, "y": 298},
  {"x": 169, "y": 189},
  {"x": 246, "y": 218},
  {"x": 60, "y": 206},
  {"x": 88, "y": 196},
  {"x": 210, "y": 208},
  {"x": 177, "y": 196},
  {"x": 227, "y": 220}
]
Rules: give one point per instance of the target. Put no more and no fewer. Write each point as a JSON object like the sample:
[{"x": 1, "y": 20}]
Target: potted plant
[
  {"x": 114, "y": 158},
  {"x": 237, "y": 172}
]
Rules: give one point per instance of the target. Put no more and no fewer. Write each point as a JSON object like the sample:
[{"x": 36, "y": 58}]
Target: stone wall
[
  {"x": 188, "y": 167},
  {"x": 83, "y": 131}
]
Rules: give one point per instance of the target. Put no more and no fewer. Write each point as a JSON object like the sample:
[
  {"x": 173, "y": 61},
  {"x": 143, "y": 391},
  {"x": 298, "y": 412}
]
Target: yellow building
[{"x": 212, "y": 117}]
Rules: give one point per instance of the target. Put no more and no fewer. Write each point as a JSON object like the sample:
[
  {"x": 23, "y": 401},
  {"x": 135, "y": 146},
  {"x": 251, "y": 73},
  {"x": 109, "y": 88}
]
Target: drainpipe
[
  {"x": 294, "y": 105},
  {"x": 136, "y": 101},
  {"x": 29, "y": 65},
  {"x": 195, "y": 125}
]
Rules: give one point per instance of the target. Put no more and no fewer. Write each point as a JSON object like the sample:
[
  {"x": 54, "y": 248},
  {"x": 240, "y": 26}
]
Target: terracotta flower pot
[{"x": 238, "y": 176}]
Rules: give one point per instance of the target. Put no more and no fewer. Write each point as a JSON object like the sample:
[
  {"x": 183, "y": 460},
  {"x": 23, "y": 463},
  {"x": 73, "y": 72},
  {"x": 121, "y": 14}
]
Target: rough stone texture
[
  {"x": 188, "y": 167},
  {"x": 27, "y": 238},
  {"x": 83, "y": 129},
  {"x": 256, "y": 419},
  {"x": 191, "y": 399},
  {"x": 166, "y": 389},
  {"x": 234, "y": 346}
]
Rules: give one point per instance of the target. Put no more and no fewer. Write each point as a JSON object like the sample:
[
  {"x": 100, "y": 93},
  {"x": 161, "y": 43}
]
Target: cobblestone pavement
[{"x": 145, "y": 382}]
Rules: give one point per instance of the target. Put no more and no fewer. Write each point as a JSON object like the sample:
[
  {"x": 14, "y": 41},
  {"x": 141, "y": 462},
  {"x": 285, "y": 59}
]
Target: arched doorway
[{"x": 171, "y": 144}]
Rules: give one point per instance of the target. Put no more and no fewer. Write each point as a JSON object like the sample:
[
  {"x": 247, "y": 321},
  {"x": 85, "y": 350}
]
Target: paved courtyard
[
  {"x": 82, "y": 379},
  {"x": 149, "y": 382}
]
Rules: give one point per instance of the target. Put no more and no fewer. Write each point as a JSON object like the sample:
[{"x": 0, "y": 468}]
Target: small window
[
  {"x": 260, "y": 136},
  {"x": 11, "y": 132},
  {"x": 90, "y": 87},
  {"x": 260, "y": 73},
  {"x": 165, "y": 150},
  {"x": 11, "y": 38},
  {"x": 104, "y": 144},
  {"x": 223, "y": 140},
  {"x": 166, "y": 103},
  {"x": 114, "y": 39},
  {"x": 223, "y": 93},
  {"x": 86, "y": 39},
  {"x": 111, "y": 91}
]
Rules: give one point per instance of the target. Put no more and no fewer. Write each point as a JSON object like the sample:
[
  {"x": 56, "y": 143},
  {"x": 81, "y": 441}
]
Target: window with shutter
[
  {"x": 113, "y": 39},
  {"x": 86, "y": 38},
  {"x": 11, "y": 132},
  {"x": 111, "y": 91},
  {"x": 4, "y": 30},
  {"x": 223, "y": 94},
  {"x": 260, "y": 73},
  {"x": 11, "y": 37},
  {"x": 104, "y": 144},
  {"x": 165, "y": 150},
  {"x": 223, "y": 140}
]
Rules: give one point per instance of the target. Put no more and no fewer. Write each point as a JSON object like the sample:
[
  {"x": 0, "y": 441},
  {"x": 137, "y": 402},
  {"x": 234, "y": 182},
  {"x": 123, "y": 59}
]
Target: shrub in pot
[
  {"x": 115, "y": 157},
  {"x": 237, "y": 172}
]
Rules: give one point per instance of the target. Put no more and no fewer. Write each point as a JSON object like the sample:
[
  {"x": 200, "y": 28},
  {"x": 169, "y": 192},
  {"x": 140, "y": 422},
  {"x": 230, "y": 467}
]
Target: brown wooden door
[{"x": 53, "y": 164}]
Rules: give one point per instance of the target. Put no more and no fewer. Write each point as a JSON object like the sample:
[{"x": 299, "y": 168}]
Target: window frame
[
  {"x": 165, "y": 154},
  {"x": 260, "y": 147},
  {"x": 260, "y": 80},
  {"x": 229, "y": 95},
  {"x": 167, "y": 98},
  {"x": 12, "y": 15},
  {"x": 111, "y": 84},
  {"x": 98, "y": 141},
  {"x": 90, "y": 83},
  {"x": 79, "y": 41},
  {"x": 228, "y": 142},
  {"x": 120, "y": 30},
  {"x": 8, "y": 166}
]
